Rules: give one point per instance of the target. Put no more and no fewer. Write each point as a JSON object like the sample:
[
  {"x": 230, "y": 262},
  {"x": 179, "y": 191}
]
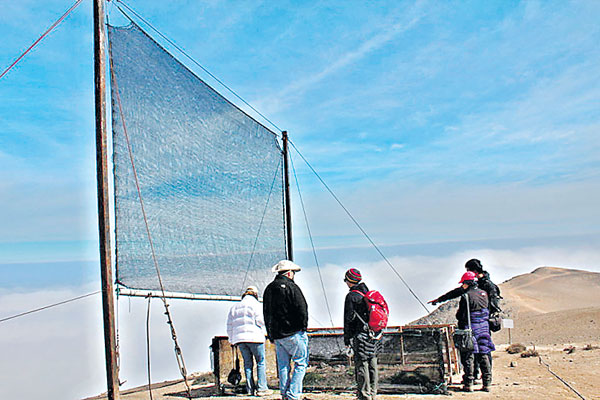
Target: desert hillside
[{"x": 549, "y": 305}]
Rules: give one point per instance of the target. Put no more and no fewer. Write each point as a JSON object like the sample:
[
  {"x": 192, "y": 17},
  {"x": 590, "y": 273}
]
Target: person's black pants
[
  {"x": 477, "y": 369},
  {"x": 484, "y": 362},
  {"x": 471, "y": 362}
]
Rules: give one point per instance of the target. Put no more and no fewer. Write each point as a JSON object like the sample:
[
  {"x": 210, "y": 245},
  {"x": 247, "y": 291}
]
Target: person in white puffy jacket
[{"x": 246, "y": 329}]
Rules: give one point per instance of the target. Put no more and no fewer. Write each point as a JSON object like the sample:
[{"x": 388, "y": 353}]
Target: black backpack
[{"x": 493, "y": 292}]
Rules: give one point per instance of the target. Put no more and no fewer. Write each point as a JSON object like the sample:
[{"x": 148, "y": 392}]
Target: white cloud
[
  {"x": 62, "y": 348},
  {"x": 431, "y": 276},
  {"x": 396, "y": 212},
  {"x": 57, "y": 348}
]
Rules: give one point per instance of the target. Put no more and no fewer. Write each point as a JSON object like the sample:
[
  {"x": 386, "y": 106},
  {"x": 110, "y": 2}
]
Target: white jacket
[{"x": 245, "y": 322}]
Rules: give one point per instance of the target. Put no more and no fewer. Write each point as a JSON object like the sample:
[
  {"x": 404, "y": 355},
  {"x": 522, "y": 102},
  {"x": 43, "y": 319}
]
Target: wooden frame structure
[{"x": 414, "y": 359}]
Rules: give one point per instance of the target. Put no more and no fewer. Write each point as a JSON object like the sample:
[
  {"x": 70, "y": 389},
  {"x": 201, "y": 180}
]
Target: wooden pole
[
  {"x": 110, "y": 349},
  {"x": 288, "y": 203}
]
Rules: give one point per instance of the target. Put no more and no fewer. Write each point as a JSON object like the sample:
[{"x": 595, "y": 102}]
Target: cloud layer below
[{"x": 62, "y": 348}]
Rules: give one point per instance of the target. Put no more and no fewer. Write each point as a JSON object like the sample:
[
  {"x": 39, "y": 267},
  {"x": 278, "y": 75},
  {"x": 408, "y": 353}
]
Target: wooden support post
[
  {"x": 402, "y": 360},
  {"x": 112, "y": 373},
  {"x": 288, "y": 203},
  {"x": 449, "y": 357}
]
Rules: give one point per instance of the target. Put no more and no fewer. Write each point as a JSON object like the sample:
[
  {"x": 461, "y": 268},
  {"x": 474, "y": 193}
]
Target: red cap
[{"x": 468, "y": 276}]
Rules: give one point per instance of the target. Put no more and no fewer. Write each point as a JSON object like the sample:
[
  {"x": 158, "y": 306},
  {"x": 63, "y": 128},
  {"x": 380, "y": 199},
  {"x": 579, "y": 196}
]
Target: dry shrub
[
  {"x": 204, "y": 378},
  {"x": 516, "y": 348},
  {"x": 530, "y": 353}
]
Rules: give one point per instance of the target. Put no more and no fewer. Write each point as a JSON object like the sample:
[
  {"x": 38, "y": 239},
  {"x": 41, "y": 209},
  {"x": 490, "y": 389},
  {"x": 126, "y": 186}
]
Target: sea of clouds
[{"x": 59, "y": 353}]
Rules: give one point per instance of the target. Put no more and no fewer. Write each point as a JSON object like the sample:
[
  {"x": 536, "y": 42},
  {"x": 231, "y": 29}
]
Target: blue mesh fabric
[{"x": 207, "y": 171}]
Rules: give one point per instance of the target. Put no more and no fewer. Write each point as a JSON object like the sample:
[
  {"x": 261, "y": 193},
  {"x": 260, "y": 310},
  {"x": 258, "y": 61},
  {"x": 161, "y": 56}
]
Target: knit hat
[
  {"x": 353, "y": 276},
  {"x": 285, "y": 265},
  {"x": 474, "y": 265},
  {"x": 468, "y": 276}
]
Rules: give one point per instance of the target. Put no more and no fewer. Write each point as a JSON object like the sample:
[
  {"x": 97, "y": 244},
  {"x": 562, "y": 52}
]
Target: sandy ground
[{"x": 525, "y": 379}]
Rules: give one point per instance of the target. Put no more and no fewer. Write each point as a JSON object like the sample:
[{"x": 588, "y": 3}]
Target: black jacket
[
  {"x": 484, "y": 283},
  {"x": 355, "y": 304},
  {"x": 285, "y": 308},
  {"x": 493, "y": 291},
  {"x": 478, "y": 300},
  {"x": 454, "y": 293}
]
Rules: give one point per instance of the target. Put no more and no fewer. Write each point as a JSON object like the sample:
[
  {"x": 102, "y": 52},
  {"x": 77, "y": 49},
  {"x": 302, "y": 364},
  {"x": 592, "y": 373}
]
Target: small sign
[{"x": 507, "y": 323}]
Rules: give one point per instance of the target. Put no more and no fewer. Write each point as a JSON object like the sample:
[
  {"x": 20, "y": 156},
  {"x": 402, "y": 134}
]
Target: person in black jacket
[
  {"x": 356, "y": 334},
  {"x": 483, "y": 282},
  {"x": 475, "y": 316},
  {"x": 286, "y": 320}
]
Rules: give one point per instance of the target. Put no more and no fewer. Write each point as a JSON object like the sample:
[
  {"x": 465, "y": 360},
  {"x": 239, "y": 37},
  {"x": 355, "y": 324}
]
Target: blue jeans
[
  {"x": 251, "y": 351},
  {"x": 292, "y": 348}
]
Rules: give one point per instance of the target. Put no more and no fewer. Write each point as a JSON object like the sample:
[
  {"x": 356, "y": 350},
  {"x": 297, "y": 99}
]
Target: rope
[
  {"x": 192, "y": 60},
  {"x": 312, "y": 244},
  {"x": 260, "y": 225},
  {"x": 49, "y": 306},
  {"x": 148, "y": 346},
  {"x": 117, "y": 335},
  {"x": 178, "y": 354},
  {"x": 560, "y": 379},
  {"x": 58, "y": 21},
  {"x": 360, "y": 227}
]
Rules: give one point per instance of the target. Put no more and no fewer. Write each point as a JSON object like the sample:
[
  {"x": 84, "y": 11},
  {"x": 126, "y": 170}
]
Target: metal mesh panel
[{"x": 207, "y": 173}]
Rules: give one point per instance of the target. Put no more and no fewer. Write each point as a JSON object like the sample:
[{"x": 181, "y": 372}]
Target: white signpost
[{"x": 508, "y": 323}]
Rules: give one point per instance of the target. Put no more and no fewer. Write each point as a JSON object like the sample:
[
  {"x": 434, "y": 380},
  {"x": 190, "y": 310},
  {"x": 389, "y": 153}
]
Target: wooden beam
[
  {"x": 112, "y": 373},
  {"x": 288, "y": 202}
]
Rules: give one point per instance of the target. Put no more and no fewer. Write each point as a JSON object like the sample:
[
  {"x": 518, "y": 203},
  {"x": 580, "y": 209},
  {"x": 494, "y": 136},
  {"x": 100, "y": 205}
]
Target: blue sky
[
  {"x": 449, "y": 129},
  {"x": 456, "y": 121}
]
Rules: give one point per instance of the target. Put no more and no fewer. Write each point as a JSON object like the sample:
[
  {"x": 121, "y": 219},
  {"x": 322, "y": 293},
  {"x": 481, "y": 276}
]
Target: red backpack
[{"x": 378, "y": 310}]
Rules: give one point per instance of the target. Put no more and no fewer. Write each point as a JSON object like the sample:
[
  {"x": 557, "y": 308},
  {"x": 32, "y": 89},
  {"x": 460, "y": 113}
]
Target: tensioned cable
[
  {"x": 359, "y": 226},
  {"x": 178, "y": 354},
  {"x": 193, "y": 60},
  {"x": 49, "y": 306},
  {"x": 58, "y": 21},
  {"x": 312, "y": 244},
  {"x": 261, "y": 224},
  {"x": 560, "y": 379}
]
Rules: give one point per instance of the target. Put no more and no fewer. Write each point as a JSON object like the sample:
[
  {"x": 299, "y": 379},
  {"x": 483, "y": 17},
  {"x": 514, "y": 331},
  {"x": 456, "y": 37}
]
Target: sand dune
[{"x": 550, "y": 289}]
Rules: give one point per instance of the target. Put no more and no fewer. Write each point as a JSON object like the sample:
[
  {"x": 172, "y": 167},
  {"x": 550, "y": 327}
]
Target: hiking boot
[
  {"x": 485, "y": 389},
  {"x": 467, "y": 388}
]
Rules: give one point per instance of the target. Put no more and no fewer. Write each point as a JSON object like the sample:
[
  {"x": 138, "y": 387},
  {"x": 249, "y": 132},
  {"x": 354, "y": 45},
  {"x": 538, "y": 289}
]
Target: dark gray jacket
[
  {"x": 478, "y": 300},
  {"x": 353, "y": 305}
]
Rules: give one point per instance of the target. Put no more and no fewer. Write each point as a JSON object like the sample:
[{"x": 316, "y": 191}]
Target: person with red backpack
[{"x": 364, "y": 321}]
